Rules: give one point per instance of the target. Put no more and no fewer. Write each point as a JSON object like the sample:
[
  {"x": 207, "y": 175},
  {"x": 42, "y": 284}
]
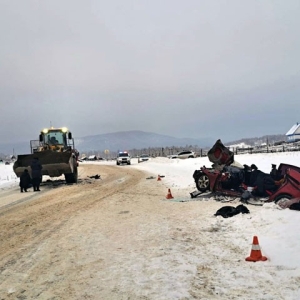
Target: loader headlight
[
  {"x": 64, "y": 129},
  {"x": 45, "y": 130}
]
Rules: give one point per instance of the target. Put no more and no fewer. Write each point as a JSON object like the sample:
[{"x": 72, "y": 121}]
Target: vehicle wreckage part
[
  {"x": 282, "y": 197},
  {"x": 233, "y": 181},
  {"x": 195, "y": 194},
  {"x": 202, "y": 183}
]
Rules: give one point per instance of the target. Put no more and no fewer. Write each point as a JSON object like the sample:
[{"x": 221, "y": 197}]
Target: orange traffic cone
[
  {"x": 169, "y": 196},
  {"x": 158, "y": 178},
  {"x": 255, "y": 254}
]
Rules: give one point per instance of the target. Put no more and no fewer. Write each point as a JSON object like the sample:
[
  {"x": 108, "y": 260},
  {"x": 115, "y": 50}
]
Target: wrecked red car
[
  {"x": 290, "y": 185},
  {"x": 225, "y": 178}
]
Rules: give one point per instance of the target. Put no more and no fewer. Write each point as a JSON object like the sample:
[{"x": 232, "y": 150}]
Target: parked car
[
  {"x": 143, "y": 157},
  {"x": 184, "y": 154}
]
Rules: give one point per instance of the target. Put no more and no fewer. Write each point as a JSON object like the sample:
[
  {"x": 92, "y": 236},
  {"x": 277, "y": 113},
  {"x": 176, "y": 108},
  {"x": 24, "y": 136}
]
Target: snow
[
  {"x": 276, "y": 228},
  {"x": 7, "y": 176}
]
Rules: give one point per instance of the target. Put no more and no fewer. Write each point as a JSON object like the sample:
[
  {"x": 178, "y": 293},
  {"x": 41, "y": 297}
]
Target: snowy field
[{"x": 7, "y": 176}]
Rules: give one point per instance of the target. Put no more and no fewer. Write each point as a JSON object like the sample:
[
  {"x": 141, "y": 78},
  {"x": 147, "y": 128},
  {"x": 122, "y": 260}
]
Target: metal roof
[{"x": 294, "y": 130}]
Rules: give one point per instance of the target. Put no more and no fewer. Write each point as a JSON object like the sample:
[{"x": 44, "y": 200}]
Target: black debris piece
[
  {"x": 230, "y": 211},
  {"x": 95, "y": 176},
  {"x": 195, "y": 194}
]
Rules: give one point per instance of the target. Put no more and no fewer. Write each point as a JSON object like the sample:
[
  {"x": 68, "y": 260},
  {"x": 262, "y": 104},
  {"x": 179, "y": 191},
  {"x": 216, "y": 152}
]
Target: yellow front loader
[{"x": 56, "y": 153}]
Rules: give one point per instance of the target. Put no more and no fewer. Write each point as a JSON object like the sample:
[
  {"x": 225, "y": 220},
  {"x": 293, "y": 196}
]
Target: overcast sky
[{"x": 222, "y": 69}]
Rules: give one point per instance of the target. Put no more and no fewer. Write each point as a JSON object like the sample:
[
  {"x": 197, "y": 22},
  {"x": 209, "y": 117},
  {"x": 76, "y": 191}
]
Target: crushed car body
[{"x": 229, "y": 178}]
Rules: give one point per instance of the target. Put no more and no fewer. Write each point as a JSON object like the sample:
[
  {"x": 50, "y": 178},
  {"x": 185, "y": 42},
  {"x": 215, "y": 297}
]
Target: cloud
[{"x": 168, "y": 67}]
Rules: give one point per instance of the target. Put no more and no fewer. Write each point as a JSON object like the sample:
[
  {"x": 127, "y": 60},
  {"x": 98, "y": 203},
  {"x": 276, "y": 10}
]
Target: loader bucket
[{"x": 54, "y": 163}]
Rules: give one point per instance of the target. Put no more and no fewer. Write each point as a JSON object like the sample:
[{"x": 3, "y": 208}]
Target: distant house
[
  {"x": 238, "y": 146},
  {"x": 293, "y": 135},
  {"x": 92, "y": 157}
]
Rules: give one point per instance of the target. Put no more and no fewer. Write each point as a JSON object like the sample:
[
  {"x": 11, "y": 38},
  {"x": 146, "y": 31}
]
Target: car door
[{"x": 183, "y": 154}]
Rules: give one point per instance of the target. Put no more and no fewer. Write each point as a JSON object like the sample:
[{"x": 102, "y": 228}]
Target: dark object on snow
[
  {"x": 25, "y": 181},
  {"x": 195, "y": 194},
  {"x": 275, "y": 174},
  {"x": 230, "y": 211},
  {"x": 295, "y": 206},
  {"x": 220, "y": 155},
  {"x": 246, "y": 196},
  {"x": 95, "y": 176}
]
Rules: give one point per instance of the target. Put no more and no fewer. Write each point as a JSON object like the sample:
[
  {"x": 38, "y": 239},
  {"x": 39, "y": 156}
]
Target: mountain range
[{"x": 128, "y": 140}]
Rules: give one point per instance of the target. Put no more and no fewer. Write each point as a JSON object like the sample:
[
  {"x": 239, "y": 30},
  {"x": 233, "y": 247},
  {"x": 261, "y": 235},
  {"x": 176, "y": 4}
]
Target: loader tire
[{"x": 72, "y": 177}]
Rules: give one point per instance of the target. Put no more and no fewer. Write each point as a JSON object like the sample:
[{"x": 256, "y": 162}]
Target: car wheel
[
  {"x": 191, "y": 156},
  {"x": 202, "y": 183},
  {"x": 128, "y": 163},
  {"x": 282, "y": 197},
  {"x": 118, "y": 163}
]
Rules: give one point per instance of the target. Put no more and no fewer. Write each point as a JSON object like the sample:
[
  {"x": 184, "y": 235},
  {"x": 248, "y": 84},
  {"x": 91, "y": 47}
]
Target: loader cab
[{"x": 59, "y": 138}]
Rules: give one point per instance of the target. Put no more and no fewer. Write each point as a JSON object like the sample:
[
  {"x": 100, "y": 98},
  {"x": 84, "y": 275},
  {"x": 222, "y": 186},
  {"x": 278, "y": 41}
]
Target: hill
[
  {"x": 136, "y": 139},
  {"x": 269, "y": 139}
]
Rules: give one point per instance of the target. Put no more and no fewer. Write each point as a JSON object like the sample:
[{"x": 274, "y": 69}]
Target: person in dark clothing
[
  {"x": 36, "y": 174},
  {"x": 275, "y": 174},
  {"x": 53, "y": 141},
  {"x": 25, "y": 181},
  {"x": 262, "y": 181}
]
